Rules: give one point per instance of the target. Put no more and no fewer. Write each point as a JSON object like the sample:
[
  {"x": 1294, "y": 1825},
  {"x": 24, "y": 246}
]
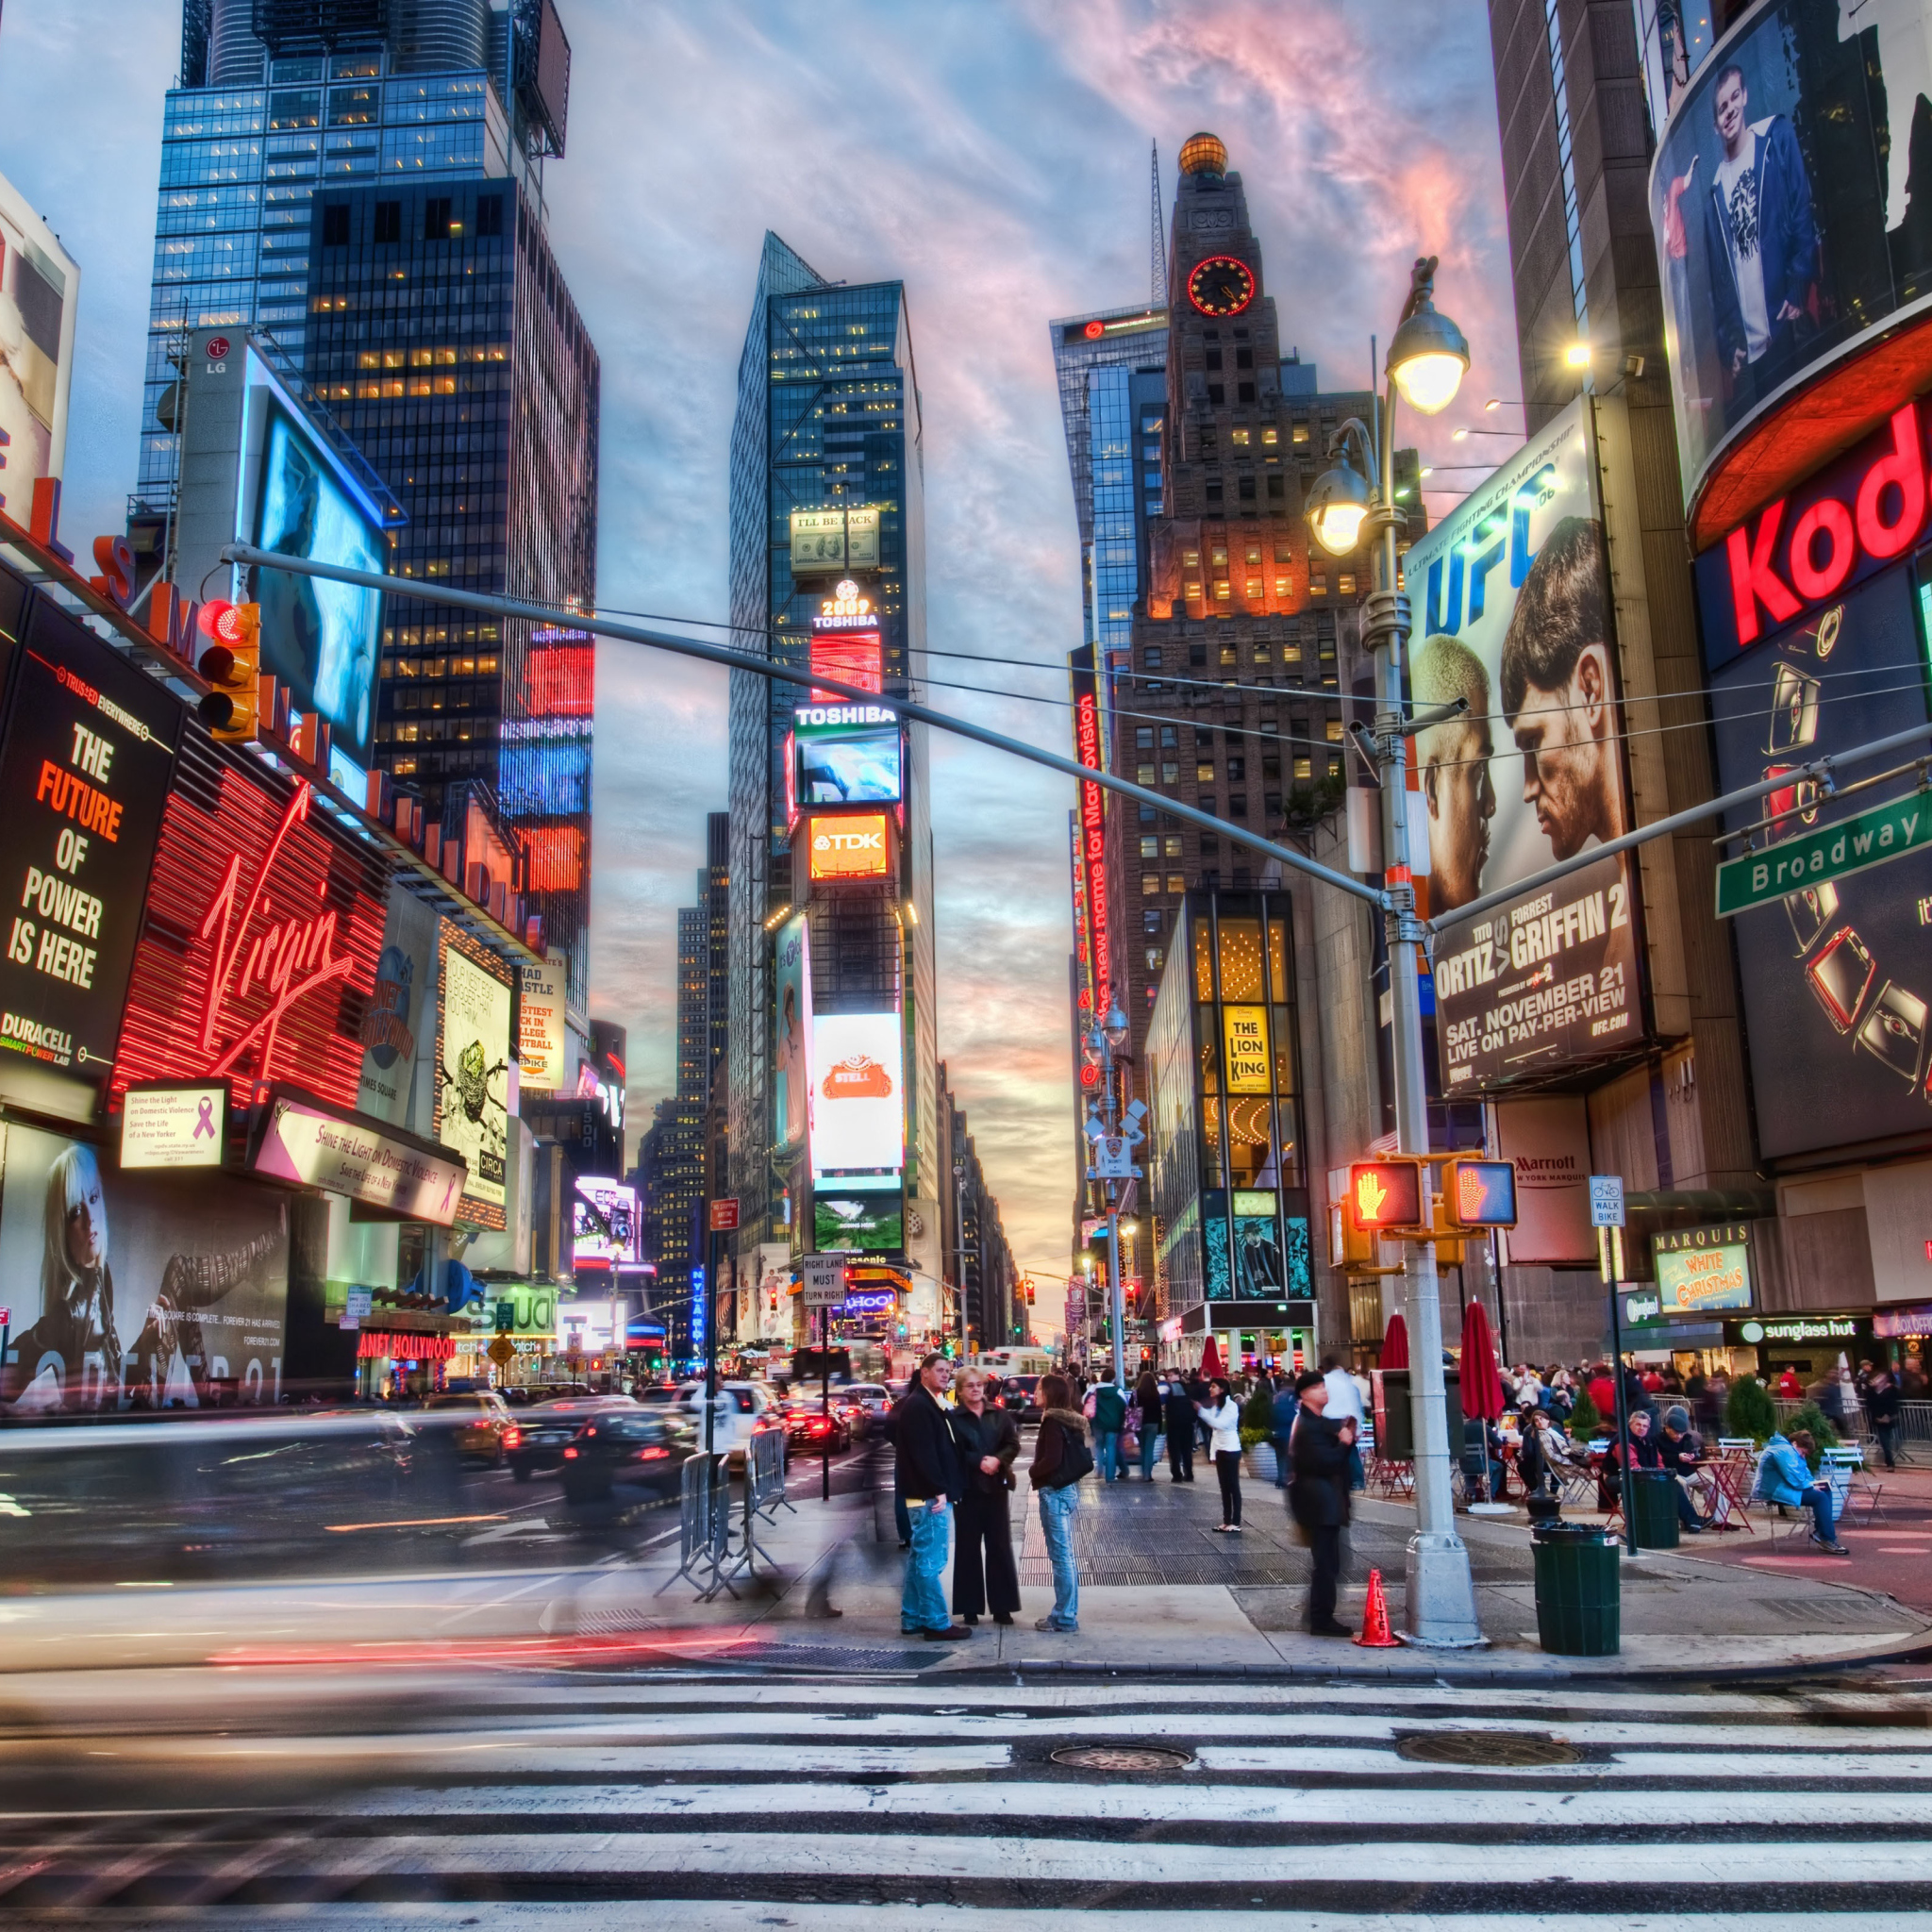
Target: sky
[{"x": 994, "y": 155}]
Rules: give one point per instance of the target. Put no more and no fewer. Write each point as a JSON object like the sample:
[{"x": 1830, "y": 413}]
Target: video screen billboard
[
  {"x": 84, "y": 780},
  {"x": 319, "y": 637},
  {"x": 39, "y": 290},
  {"x": 868, "y": 1223},
  {"x": 850, "y": 766},
  {"x": 1512, "y": 615},
  {"x": 1782, "y": 206},
  {"x": 134, "y": 1289},
  {"x": 791, "y": 1050},
  {"x": 604, "y": 1224},
  {"x": 849, "y": 846},
  {"x": 858, "y": 1106},
  {"x": 1836, "y": 980}
]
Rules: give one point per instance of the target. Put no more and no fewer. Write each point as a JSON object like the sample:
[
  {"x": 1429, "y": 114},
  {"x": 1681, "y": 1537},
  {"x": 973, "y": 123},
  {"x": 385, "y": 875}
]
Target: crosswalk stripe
[
  {"x": 1272, "y": 1805},
  {"x": 1780, "y": 1767},
  {"x": 1696, "y": 1865}
]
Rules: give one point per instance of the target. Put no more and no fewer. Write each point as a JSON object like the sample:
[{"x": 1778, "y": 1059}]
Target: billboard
[
  {"x": 40, "y": 291},
  {"x": 604, "y": 1224},
  {"x": 851, "y": 846},
  {"x": 1512, "y": 615},
  {"x": 84, "y": 779},
  {"x": 319, "y": 639},
  {"x": 1703, "y": 1268},
  {"x": 857, "y": 1103},
  {"x": 399, "y": 1010},
  {"x": 857, "y": 764},
  {"x": 472, "y": 1033},
  {"x": 1786, "y": 229},
  {"x": 1836, "y": 979},
  {"x": 791, "y": 1052},
  {"x": 866, "y": 1224},
  {"x": 541, "y": 1026},
  {"x": 825, "y": 542},
  {"x": 1092, "y": 877},
  {"x": 1547, "y": 1141},
  {"x": 130, "y": 1289}
]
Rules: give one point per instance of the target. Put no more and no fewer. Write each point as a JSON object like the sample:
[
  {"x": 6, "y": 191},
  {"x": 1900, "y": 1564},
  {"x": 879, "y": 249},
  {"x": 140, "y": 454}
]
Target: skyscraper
[
  {"x": 420, "y": 298},
  {"x": 1215, "y": 645},
  {"x": 828, "y": 572}
]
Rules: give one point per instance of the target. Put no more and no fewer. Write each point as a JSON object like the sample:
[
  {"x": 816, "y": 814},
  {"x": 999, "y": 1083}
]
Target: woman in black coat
[{"x": 984, "y": 1576}]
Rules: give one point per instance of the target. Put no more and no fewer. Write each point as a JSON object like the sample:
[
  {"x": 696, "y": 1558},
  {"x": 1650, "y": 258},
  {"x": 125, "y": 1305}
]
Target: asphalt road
[{"x": 770, "y": 1799}]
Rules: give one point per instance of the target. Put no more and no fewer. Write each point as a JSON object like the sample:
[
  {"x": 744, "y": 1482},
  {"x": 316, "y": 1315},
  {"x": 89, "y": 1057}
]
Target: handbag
[{"x": 1130, "y": 1442}]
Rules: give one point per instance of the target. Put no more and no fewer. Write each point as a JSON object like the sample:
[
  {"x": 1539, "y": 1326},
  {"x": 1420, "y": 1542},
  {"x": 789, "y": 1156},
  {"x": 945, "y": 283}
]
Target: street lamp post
[
  {"x": 1108, "y": 1037},
  {"x": 1426, "y": 360}
]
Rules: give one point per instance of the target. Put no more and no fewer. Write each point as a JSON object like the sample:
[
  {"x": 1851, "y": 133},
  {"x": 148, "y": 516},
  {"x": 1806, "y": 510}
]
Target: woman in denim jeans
[{"x": 1061, "y": 1458}]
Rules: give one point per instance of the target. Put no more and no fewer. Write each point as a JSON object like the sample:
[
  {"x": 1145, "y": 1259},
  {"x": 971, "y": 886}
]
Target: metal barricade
[
  {"x": 765, "y": 1475},
  {"x": 704, "y": 1525}
]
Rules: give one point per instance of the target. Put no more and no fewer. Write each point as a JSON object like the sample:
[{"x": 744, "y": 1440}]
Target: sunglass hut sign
[{"x": 1850, "y": 520}]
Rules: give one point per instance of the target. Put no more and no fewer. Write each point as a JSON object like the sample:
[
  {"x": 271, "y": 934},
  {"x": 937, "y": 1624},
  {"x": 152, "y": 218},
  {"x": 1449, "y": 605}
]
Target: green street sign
[{"x": 1833, "y": 852}]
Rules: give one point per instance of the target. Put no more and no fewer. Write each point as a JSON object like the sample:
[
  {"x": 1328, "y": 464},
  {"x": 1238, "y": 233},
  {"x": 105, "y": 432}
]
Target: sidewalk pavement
[{"x": 1160, "y": 1592}]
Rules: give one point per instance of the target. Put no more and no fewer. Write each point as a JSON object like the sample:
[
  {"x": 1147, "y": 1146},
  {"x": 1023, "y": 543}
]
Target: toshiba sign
[
  {"x": 849, "y": 848},
  {"x": 1804, "y": 550}
]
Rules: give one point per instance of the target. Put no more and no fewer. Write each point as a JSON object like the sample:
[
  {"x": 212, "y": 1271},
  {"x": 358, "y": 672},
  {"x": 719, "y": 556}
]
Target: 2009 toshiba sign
[{"x": 1805, "y": 549}]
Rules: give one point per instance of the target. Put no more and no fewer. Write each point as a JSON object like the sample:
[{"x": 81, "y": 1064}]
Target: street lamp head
[
  {"x": 1336, "y": 505},
  {"x": 1577, "y": 356},
  {"x": 1428, "y": 356},
  {"x": 1116, "y": 1028}
]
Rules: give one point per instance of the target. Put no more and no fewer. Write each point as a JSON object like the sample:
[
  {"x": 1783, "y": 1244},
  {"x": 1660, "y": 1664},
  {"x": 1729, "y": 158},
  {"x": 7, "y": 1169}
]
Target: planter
[{"x": 1261, "y": 1463}]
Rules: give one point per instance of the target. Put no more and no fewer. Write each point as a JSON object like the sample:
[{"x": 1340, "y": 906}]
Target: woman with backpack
[
  {"x": 1148, "y": 1405},
  {"x": 1061, "y": 1458}
]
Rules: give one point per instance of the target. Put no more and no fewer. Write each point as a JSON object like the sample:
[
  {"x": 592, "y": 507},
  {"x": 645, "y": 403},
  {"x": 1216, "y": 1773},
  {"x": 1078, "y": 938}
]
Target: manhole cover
[
  {"x": 1500, "y": 1749},
  {"x": 1121, "y": 1757}
]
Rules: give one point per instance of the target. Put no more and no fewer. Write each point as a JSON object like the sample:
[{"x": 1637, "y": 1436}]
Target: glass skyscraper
[{"x": 828, "y": 414}]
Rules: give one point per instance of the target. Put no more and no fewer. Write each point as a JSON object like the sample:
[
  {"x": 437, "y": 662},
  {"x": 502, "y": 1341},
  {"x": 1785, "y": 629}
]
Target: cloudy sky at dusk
[{"x": 992, "y": 153}]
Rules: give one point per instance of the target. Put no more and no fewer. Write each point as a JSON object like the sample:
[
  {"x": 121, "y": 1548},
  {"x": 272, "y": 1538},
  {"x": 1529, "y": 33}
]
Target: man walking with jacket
[
  {"x": 928, "y": 1475},
  {"x": 1178, "y": 1423},
  {"x": 1110, "y": 1419},
  {"x": 1318, "y": 1496}
]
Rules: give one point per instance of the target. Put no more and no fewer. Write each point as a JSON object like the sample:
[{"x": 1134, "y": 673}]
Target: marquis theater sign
[{"x": 264, "y": 927}]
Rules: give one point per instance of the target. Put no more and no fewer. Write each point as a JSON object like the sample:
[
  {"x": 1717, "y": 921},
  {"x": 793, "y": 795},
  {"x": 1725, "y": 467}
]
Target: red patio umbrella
[
  {"x": 1482, "y": 1386},
  {"x": 1395, "y": 1344},
  {"x": 1211, "y": 1361}
]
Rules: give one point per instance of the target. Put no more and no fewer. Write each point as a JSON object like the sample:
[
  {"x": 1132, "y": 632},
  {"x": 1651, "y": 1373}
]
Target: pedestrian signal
[
  {"x": 1479, "y": 1193},
  {"x": 1388, "y": 1197}
]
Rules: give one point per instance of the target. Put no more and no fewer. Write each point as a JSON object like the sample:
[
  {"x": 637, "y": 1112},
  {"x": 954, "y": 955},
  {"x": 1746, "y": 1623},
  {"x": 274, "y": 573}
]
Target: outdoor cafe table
[{"x": 1730, "y": 1488}]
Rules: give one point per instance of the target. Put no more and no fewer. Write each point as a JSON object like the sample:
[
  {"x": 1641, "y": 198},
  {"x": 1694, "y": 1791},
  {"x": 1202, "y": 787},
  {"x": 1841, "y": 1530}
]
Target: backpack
[{"x": 1076, "y": 1459}]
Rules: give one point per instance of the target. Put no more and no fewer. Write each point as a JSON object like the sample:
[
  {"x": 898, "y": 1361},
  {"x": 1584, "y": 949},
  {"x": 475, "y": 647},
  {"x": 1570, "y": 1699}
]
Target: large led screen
[
  {"x": 857, "y": 1098},
  {"x": 1512, "y": 616},
  {"x": 855, "y": 767},
  {"x": 789, "y": 1055},
  {"x": 320, "y": 639},
  {"x": 866, "y": 1224},
  {"x": 1781, "y": 199},
  {"x": 1837, "y": 981}
]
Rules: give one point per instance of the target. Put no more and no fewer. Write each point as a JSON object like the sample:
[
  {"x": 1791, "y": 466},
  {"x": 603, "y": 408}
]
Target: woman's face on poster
[{"x": 87, "y": 1229}]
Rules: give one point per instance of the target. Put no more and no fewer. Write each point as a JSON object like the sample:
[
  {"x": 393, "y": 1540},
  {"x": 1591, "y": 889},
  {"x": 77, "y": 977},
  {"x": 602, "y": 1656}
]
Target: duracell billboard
[{"x": 85, "y": 767}]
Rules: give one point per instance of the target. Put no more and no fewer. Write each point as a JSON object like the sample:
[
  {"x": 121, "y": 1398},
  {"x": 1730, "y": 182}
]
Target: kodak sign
[{"x": 1803, "y": 550}]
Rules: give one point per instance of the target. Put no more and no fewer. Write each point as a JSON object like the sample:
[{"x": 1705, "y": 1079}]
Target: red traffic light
[
  {"x": 1479, "y": 1193},
  {"x": 1387, "y": 1196}
]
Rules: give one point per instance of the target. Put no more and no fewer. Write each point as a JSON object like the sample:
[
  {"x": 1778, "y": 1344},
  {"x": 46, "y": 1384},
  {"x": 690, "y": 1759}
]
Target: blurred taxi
[{"x": 483, "y": 1427}]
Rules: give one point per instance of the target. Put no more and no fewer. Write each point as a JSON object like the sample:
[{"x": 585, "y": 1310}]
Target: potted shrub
[{"x": 1257, "y": 1431}]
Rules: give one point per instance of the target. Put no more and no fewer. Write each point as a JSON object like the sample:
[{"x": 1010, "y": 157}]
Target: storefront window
[
  {"x": 1204, "y": 960},
  {"x": 1277, "y": 961},
  {"x": 1240, "y": 960}
]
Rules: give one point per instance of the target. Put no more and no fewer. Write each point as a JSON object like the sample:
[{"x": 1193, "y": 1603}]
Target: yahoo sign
[{"x": 1801, "y": 551}]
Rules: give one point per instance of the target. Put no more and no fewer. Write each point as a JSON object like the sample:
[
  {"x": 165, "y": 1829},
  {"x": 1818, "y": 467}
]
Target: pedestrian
[
  {"x": 1784, "y": 1476},
  {"x": 1789, "y": 1388},
  {"x": 1110, "y": 1414},
  {"x": 928, "y": 1467},
  {"x": 989, "y": 1438},
  {"x": 1683, "y": 1457},
  {"x": 1147, "y": 1410},
  {"x": 1319, "y": 1495},
  {"x": 1222, "y": 1416},
  {"x": 1345, "y": 1404},
  {"x": 1061, "y": 1458},
  {"x": 1179, "y": 1418},
  {"x": 1881, "y": 1404},
  {"x": 1603, "y": 1392},
  {"x": 1282, "y": 1412}
]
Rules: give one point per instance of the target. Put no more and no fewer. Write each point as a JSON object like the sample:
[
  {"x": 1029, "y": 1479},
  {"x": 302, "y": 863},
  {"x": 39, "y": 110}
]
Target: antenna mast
[{"x": 1156, "y": 260}]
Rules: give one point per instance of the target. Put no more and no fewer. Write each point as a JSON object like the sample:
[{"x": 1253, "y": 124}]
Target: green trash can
[
  {"x": 1653, "y": 1509},
  {"x": 1578, "y": 1599}
]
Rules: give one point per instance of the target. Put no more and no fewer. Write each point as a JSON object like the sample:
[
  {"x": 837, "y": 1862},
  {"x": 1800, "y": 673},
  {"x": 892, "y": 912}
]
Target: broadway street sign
[{"x": 1886, "y": 831}]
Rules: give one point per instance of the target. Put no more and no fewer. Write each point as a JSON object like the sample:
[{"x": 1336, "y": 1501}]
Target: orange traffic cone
[{"x": 1376, "y": 1634}]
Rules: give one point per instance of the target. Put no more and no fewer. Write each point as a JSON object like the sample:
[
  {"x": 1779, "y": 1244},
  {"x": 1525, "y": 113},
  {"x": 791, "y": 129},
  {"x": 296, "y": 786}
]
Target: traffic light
[
  {"x": 230, "y": 659},
  {"x": 1479, "y": 1193},
  {"x": 1389, "y": 1196}
]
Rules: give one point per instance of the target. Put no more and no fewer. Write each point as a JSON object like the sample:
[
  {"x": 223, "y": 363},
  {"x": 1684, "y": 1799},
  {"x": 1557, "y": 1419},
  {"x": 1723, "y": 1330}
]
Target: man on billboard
[
  {"x": 1759, "y": 238},
  {"x": 1558, "y": 696},
  {"x": 1455, "y": 763}
]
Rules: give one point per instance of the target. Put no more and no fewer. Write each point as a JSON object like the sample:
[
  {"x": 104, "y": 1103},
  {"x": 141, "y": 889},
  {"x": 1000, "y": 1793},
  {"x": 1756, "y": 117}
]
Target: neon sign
[{"x": 1093, "y": 827}]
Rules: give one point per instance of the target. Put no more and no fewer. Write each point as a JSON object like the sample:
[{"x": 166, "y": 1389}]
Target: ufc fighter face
[
  {"x": 1461, "y": 802},
  {"x": 1567, "y": 771}
]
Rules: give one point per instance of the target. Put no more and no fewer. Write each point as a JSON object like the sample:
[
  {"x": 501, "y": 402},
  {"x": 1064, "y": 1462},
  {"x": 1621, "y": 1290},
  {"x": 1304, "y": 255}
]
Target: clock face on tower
[{"x": 1222, "y": 286}]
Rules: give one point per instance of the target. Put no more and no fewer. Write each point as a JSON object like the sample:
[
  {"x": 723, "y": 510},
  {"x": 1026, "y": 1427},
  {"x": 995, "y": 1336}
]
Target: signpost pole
[
  {"x": 826, "y": 1398},
  {"x": 1607, "y": 1212},
  {"x": 711, "y": 1344}
]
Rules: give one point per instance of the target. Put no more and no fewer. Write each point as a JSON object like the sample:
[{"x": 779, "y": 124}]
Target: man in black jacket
[
  {"x": 927, "y": 1472},
  {"x": 1318, "y": 1496},
  {"x": 1178, "y": 1421}
]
